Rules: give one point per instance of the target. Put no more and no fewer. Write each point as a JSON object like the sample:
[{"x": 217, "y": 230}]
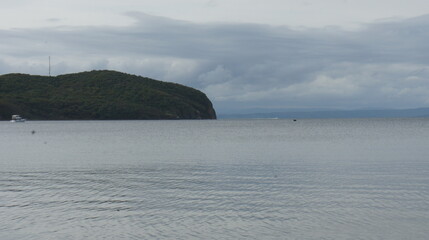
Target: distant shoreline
[{"x": 382, "y": 113}]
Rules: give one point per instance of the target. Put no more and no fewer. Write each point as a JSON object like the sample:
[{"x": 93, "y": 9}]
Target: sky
[{"x": 246, "y": 55}]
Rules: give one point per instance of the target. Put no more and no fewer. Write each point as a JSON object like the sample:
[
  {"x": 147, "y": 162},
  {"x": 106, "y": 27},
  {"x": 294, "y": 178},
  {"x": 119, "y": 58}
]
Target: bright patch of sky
[{"x": 293, "y": 13}]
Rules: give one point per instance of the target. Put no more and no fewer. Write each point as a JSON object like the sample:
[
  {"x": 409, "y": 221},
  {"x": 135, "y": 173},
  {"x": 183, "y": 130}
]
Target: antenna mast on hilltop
[{"x": 49, "y": 66}]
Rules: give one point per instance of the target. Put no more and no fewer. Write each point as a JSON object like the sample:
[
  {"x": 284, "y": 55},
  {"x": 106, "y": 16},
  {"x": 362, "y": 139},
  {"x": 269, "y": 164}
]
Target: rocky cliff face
[{"x": 99, "y": 95}]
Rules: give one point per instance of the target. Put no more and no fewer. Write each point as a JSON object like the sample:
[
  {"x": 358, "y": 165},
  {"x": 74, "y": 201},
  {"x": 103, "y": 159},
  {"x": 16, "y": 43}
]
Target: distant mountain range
[{"x": 372, "y": 113}]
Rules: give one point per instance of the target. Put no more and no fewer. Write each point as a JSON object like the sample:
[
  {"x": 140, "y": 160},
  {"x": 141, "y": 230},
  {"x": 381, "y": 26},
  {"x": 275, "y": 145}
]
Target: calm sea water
[{"x": 224, "y": 179}]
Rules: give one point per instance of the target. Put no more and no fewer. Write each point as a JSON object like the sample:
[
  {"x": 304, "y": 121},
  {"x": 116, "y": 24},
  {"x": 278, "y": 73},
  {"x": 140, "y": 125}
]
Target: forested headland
[{"x": 99, "y": 95}]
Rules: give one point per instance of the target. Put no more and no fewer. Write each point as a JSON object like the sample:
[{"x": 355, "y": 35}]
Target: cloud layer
[{"x": 243, "y": 65}]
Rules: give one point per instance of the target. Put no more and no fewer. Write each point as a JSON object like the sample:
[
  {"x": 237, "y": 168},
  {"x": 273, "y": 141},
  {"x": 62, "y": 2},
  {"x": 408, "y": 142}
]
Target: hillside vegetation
[{"x": 99, "y": 95}]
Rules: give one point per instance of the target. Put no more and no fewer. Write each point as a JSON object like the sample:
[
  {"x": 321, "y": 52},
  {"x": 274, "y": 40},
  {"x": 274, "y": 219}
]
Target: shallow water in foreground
[{"x": 225, "y": 179}]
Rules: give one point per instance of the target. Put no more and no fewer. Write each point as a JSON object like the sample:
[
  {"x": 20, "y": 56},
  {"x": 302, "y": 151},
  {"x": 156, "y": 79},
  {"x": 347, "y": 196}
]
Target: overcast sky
[{"x": 244, "y": 54}]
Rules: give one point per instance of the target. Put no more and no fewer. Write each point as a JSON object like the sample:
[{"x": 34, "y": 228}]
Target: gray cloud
[{"x": 244, "y": 65}]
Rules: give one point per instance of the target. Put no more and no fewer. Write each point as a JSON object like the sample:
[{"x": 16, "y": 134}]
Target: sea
[{"x": 215, "y": 179}]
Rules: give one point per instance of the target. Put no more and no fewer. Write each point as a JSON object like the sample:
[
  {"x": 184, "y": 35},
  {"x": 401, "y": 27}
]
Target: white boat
[{"x": 17, "y": 118}]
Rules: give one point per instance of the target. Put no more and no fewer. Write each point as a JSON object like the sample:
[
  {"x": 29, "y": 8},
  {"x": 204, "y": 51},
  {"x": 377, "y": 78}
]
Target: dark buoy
[
  {"x": 294, "y": 120},
  {"x": 33, "y": 132}
]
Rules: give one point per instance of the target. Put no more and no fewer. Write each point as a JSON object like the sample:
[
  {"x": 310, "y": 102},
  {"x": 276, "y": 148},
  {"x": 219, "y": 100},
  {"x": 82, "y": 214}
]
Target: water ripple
[{"x": 206, "y": 202}]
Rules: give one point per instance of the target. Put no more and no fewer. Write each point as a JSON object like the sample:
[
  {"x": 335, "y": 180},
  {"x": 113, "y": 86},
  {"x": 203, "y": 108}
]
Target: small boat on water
[{"x": 17, "y": 118}]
